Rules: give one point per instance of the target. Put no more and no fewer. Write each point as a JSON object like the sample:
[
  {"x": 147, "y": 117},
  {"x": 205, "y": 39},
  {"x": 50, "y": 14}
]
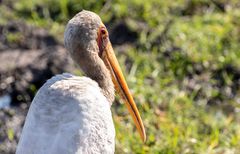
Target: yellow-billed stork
[{"x": 71, "y": 114}]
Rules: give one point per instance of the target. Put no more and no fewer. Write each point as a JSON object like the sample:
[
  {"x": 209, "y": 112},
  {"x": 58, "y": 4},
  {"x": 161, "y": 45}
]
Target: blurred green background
[{"x": 181, "y": 60}]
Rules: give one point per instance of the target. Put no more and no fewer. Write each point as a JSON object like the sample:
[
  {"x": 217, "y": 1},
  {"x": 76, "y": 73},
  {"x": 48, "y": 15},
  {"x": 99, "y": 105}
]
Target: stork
[{"x": 71, "y": 114}]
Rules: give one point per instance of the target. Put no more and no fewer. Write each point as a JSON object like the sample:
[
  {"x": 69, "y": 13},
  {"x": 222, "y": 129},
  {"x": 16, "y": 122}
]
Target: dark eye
[{"x": 103, "y": 31}]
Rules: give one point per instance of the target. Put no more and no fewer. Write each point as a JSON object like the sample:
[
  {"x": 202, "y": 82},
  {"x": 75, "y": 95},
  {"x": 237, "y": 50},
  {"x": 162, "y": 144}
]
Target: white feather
[{"x": 69, "y": 115}]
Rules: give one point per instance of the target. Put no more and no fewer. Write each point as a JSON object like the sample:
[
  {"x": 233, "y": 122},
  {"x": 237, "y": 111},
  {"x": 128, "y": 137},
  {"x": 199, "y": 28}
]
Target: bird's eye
[{"x": 103, "y": 32}]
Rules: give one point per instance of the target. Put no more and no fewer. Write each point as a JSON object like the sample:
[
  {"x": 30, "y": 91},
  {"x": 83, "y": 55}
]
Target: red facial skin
[{"x": 102, "y": 39}]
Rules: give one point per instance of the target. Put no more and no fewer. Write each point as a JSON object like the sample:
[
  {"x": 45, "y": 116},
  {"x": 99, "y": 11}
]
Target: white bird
[{"x": 71, "y": 114}]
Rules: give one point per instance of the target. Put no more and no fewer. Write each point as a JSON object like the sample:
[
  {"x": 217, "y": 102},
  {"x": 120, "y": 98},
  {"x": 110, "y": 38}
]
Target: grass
[
  {"x": 183, "y": 69},
  {"x": 175, "y": 121}
]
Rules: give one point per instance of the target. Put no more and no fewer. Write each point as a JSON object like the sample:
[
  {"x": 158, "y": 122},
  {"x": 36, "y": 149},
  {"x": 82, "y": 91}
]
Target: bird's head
[{"x": 87, "y": 40}]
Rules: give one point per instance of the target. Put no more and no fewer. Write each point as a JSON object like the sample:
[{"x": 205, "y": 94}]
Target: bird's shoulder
[
  {"x": 68, "y": 84},
  {"x": 66, "y": 81},
  {"x": 64, "y": 87}
]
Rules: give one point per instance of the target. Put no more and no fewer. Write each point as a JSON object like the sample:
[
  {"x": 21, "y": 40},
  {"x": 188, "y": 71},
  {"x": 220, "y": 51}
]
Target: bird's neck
[
  {"x": 102, "y": 76},
  {"x": 94, "y": 68}
]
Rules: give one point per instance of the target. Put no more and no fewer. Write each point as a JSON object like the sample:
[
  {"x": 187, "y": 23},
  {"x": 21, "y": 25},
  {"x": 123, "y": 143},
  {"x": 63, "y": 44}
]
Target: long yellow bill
[{"x": 111, "y": 62}]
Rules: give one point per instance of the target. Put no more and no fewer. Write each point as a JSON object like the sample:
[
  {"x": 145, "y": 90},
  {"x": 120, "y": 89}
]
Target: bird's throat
[{"x": 102, "y": 76}]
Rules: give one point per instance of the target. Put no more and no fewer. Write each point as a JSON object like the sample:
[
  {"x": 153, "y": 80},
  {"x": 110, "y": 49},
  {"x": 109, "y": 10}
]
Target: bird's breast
[{"x": 69, "y": 114}]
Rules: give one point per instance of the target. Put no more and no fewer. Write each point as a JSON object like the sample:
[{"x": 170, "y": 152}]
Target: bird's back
[{"x": 68, "y": 115}]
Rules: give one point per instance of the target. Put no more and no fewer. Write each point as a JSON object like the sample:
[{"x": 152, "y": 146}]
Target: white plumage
[
  {"x": 71, "y": 115},
  {"x": 68, "y": 115}
]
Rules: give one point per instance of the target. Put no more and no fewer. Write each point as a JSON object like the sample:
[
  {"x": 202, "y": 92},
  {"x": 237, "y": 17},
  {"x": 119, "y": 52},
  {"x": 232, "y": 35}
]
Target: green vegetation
[{"x": 183, "y": 68}]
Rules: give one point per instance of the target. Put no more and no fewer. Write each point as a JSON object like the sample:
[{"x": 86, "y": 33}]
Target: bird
[{"x": 72, "y": 114}]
